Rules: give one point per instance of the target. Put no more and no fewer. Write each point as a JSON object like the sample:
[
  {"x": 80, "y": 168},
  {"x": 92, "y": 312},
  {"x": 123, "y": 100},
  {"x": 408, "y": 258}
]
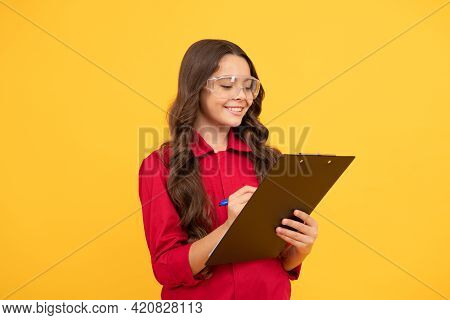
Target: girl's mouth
[{"x": 235, "y": 110}]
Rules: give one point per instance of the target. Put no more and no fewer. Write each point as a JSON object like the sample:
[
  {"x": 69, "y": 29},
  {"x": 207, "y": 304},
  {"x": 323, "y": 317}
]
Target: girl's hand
[
  {"x": 300, "y": 242},
  {"x": 237, "y": 201}
]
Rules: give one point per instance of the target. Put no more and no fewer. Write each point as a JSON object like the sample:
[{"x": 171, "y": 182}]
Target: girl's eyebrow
[
  {"x": 242, "y": 77},
  {"x": 231, "y": 75}
]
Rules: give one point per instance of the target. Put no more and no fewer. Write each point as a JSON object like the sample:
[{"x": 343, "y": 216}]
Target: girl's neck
[{"x": 216, "y": 137}]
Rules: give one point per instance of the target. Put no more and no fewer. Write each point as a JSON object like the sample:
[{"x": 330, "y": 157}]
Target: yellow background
[{"x": 78, "y": 79}]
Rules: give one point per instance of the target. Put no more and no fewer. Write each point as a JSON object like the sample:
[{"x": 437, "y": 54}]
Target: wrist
[{"x": 292, "y": 259}]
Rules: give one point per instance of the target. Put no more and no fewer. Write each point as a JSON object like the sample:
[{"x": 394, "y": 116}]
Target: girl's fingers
[
  {"x": 243, "y": 190},
  {"x": 291, "y": 241},
  {"x": 306, "y": 218},
  {"x": 244, "y": 198},
  {"x": 303, "y": 228},
  {"x": 294, "y": 235}
]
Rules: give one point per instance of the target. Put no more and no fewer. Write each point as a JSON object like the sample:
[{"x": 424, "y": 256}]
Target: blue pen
[{"x": 224, "y": 202}]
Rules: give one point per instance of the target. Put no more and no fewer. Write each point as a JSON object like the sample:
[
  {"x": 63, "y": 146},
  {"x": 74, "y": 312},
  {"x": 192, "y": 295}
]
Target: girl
[{"x": 217, "y": 150}]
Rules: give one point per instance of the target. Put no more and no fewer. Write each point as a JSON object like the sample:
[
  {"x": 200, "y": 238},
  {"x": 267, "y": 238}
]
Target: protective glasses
[{"x": 229, "y": 86}]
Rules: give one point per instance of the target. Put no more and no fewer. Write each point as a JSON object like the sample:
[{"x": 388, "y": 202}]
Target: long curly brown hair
[{"x": 184, "y": 183}]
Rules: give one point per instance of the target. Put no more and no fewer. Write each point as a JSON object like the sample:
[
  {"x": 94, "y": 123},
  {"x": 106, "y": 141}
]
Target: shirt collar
[{"x": 200, "y": 147}]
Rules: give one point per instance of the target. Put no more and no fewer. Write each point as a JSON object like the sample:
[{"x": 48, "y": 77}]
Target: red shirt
[{"x": 222, "y": 174}]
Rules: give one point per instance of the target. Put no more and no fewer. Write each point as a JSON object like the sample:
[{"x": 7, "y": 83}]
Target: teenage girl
[{"x": 217, "y": 151}]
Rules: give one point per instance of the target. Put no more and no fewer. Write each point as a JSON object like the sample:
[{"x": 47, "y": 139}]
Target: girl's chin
[{"x": 231, "y": 122}]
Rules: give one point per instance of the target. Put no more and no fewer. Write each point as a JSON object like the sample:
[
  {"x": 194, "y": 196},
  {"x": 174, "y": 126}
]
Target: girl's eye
[{"x": 227, "y": 87}]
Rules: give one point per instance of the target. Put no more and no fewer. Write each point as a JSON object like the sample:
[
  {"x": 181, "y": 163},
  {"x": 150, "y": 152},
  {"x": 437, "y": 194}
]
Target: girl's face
[{"x": 223, "y": 112}]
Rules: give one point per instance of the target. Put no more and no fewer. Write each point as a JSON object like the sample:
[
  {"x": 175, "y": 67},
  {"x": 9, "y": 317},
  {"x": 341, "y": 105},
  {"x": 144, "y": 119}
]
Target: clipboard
[{"x": 296, "y": 181}]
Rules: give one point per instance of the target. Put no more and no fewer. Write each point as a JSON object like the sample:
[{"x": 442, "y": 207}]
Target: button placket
[{"x": 227, "y": 188}]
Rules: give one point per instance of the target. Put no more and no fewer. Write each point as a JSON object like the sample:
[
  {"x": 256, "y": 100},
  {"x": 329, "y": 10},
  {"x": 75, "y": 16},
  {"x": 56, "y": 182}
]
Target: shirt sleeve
[
  {"x": 294, "y": 273},
  {"x": 166, "y": 240}
]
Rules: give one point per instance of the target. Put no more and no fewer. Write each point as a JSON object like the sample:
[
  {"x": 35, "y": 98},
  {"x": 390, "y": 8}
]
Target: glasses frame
[{"x": 210, "y": 83}]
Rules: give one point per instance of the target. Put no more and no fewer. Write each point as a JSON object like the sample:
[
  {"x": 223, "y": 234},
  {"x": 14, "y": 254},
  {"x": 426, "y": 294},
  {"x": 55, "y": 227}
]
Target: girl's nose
[{"x": 241, "y": 94}]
